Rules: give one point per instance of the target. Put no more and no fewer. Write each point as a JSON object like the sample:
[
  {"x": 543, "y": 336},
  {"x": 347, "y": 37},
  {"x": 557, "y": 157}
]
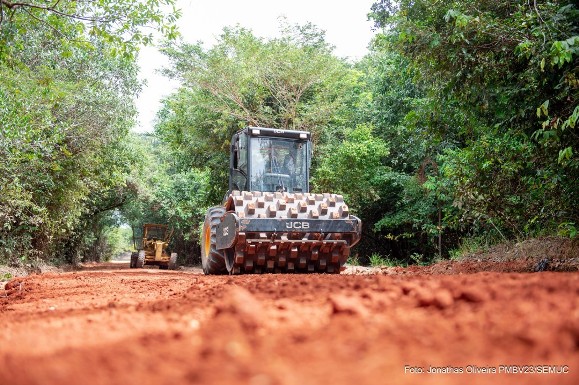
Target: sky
[{"x": 345, "y": 23}]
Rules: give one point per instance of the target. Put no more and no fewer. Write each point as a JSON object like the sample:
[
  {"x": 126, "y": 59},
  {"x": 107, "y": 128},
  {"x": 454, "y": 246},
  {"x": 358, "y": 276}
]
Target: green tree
[
  {"x": 123, "y": 25},
  {"x": 503, "y": 74},
  {"x": 66, "y": 106},
  {"x": 291, "y": 82},
  {"x": 354, "y": 168}
]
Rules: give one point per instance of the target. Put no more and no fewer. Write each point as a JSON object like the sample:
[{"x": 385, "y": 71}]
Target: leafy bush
[{"x": 377, "y": 260}]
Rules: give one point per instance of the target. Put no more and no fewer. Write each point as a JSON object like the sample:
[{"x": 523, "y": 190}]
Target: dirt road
[{"x": 112, "y": 325}]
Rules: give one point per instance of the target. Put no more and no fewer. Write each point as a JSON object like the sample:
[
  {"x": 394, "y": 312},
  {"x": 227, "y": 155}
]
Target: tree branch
[
  {"x": 44, "y": 22},
  {"x": 52, "y": 8}
]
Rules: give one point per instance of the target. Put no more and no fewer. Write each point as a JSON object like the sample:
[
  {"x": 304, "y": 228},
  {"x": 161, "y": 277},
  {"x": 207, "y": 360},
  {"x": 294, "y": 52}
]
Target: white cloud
[{"x": 345, "y": 23}]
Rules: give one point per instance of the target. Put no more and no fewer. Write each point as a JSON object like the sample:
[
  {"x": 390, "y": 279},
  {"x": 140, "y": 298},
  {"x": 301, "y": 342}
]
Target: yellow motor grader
[{"x": 153, "y": 249}]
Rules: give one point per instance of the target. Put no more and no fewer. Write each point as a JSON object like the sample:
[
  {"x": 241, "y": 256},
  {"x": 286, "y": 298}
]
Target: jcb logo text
[{"x": 297, "y": 225}]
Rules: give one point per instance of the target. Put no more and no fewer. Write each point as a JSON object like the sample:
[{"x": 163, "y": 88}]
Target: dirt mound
[
  {"x": 533, "y": 255},
  {"x": 542, "y": 254}
]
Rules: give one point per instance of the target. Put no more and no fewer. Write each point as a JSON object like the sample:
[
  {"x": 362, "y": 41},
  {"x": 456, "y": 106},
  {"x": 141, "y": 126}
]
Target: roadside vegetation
[{"x": 457, "y": 131}]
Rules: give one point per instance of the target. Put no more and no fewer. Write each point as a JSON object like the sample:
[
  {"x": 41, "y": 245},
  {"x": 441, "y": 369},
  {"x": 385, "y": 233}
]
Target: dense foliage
[
  {"x": 66, "y": 108},
  {"x": 501, "y": 83},
  {"x": 123, "y": 25}
]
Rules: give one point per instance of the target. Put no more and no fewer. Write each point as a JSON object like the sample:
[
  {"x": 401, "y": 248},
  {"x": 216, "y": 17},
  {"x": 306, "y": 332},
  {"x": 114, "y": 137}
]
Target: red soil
[{"x": 112, "y": 325}]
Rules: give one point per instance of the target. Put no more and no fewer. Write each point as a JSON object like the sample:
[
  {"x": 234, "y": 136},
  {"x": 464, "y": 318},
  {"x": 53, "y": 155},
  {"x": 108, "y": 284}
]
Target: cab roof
[{"x": 274, "y": 132}]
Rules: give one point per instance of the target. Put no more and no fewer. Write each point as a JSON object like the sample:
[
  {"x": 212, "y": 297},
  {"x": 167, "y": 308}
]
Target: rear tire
[
  {"x": 140, "y": 260},
  {"x": 134, "y": 257},
  {"x": 212, "y": 260},
  {"x": 173, "y": 262}
]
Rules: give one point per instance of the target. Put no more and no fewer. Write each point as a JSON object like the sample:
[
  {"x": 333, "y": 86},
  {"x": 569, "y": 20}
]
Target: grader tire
[
  {"x": 134, "y": 257},
  {"x": 173, "y": 262},
  {"x": 212, "y": 260},
  {"x": 140, "y": 260}
]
